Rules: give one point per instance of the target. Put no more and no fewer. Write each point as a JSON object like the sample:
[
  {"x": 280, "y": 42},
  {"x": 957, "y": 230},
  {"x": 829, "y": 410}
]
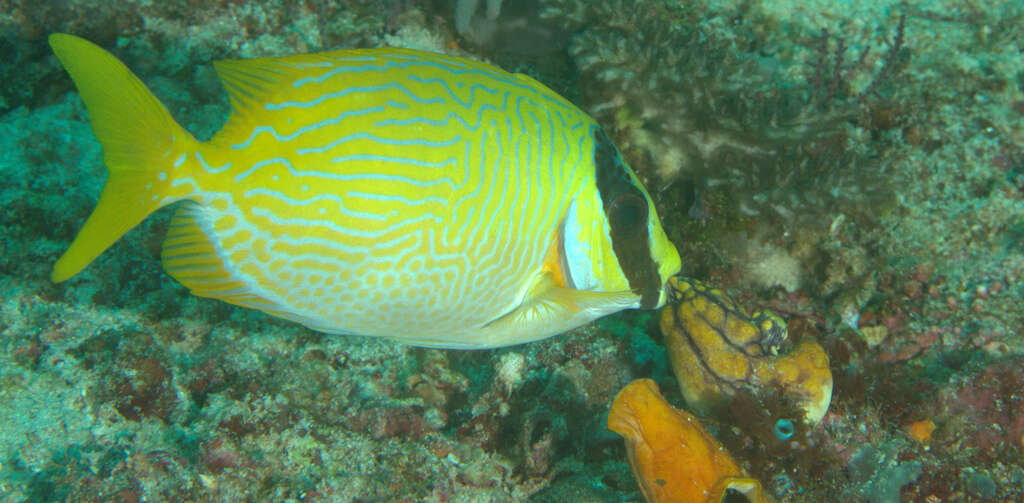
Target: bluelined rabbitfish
[{"x": 380, "y": 192}]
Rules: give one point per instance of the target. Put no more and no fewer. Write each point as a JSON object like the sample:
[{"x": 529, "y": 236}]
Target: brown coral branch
[
  {"x": 890, "y": 61},
  {"x": 820, "y": 63},
  {"x": 836, "y": 69}
]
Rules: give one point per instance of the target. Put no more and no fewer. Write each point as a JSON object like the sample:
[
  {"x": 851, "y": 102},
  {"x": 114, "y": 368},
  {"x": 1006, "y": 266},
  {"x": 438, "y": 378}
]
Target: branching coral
[{"x": 697, "y": 94}]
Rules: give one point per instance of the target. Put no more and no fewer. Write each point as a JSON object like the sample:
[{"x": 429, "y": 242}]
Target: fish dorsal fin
[{"x": 250, "y": 82}]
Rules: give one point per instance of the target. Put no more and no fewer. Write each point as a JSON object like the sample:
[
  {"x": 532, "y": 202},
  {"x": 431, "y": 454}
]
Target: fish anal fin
[{"x": 193, "y": 258}]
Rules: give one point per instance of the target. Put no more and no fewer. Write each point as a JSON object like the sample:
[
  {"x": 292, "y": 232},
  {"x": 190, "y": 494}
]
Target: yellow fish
[{"x": 379, "y": 192}]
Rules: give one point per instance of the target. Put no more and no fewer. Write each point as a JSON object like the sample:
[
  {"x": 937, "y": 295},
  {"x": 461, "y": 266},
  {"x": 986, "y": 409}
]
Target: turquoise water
[{"x": 857, "y": 168}]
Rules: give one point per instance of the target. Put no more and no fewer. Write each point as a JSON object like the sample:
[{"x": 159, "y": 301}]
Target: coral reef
[{"x": 875, "y": 147}]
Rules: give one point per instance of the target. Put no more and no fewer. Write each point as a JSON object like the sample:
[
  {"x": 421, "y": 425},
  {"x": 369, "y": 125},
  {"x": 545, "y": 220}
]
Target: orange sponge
[{"x": 673, "y": 458}]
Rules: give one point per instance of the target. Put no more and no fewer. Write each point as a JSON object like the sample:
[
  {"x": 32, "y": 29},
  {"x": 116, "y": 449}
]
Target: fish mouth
[
  {"x": 670, "y": 291},
  {"x": 664, "y": 295}
]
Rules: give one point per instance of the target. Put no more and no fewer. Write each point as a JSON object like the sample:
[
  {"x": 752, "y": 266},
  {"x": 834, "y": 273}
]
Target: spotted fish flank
[{"x": 380, "y": 192}]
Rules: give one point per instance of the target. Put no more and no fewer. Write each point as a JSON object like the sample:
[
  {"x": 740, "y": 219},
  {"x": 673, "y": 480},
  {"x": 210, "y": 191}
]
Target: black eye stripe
[{"x": 629, "y": 233}]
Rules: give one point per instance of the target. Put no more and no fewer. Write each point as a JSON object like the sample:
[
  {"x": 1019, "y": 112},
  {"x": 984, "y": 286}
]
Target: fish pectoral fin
[{"x": 549, "y": 309}]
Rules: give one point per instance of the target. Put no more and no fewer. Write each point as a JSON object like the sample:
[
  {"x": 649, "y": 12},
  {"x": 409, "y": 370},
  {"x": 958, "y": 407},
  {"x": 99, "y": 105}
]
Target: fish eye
[{"x": 627, "y": 214}]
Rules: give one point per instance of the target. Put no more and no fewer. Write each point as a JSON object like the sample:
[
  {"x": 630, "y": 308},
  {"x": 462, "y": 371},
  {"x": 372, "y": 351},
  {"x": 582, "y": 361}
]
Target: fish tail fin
[{"x": 142, "y": 146}]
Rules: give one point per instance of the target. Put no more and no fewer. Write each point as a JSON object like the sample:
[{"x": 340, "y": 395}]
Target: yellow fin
[
  {"x": 193, "y": 258},
  {"x": 139, "y": 140},
  {"x": 548, "y": 309},
  {"x": 249, "y": 82}
]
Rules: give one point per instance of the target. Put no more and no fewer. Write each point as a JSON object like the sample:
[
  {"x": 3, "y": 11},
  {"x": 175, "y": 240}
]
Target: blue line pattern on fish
[{"x": 379, "y": 192}]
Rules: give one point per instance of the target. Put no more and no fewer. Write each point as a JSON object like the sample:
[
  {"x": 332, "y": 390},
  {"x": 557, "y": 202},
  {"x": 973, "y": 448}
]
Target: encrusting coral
[
  {"x": 717, "y": 349},
  {"x": 672, "y": 457}
]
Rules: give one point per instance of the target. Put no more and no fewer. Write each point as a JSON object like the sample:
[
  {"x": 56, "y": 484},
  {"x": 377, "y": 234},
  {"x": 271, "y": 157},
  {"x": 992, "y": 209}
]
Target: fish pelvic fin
[
  {"x": 142, "y": 148},
  {"x": 548, "y": 309}
]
